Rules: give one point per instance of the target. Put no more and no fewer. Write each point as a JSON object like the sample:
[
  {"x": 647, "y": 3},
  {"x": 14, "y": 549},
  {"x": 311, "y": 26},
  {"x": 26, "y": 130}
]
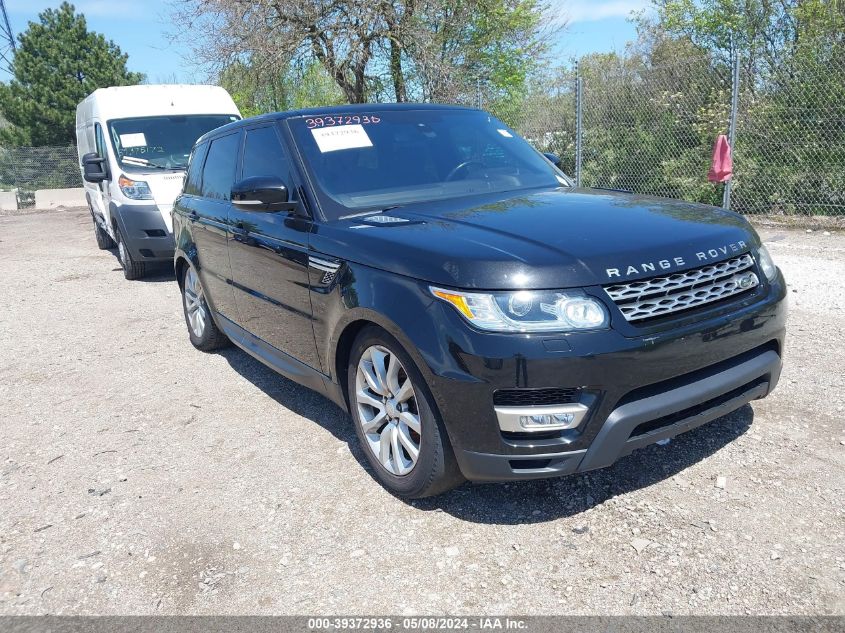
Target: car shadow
[
  {"x": 293, "y": 396},
  {"x": 519, "y": 502},
  {"x": 156, "y": 273}
]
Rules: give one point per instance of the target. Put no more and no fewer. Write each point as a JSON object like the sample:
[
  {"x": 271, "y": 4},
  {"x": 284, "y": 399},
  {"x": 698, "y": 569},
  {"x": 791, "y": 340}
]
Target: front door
[
  {"x": 209, "y": 216},
  {"x": 100, "y": 198},
  {"x": 269, "y": 257}
]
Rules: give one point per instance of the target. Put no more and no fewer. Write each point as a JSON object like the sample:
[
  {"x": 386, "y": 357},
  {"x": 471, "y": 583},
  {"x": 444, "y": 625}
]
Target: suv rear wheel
[
  {"x": 202, "y": 330},
  {"x": 396, "y": 419}
]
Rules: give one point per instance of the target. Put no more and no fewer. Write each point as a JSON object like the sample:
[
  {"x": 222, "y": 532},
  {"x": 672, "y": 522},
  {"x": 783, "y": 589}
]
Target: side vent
[{"x": 328, "y": 267}]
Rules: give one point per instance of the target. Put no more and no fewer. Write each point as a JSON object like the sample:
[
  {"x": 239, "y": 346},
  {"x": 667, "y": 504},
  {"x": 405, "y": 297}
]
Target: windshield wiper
[{"x": 143, "y": 162}]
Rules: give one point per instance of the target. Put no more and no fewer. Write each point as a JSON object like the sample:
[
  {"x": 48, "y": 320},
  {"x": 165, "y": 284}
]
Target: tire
[
  {"x": 202, "y": 330},
  {"x": 131, "y": 269},
  {"x": 104, "y": 240},
  {"x": 388, "y": 426}
]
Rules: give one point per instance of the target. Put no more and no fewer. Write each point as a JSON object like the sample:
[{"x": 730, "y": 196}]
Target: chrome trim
[
  {"x": 325, "y": 265},
  {"x": 509, "y": 417},
  {"x": 660, "y": 296}
]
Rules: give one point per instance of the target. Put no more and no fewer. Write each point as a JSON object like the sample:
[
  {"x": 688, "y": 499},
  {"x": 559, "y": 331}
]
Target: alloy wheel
[
  {"x": 387, "y": 410},
  {"x": 195, "y": 305}
]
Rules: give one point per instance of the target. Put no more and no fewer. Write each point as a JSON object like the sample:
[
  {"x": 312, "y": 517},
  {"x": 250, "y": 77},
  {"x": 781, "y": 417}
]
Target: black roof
[{"x": 328, "y": 111}]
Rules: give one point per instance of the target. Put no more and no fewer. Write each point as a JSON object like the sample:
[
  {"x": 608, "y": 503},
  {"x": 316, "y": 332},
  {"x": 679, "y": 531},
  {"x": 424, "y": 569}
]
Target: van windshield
[
  {"x": 382, "y": 158},
  {"x": 161, "y": 142}
]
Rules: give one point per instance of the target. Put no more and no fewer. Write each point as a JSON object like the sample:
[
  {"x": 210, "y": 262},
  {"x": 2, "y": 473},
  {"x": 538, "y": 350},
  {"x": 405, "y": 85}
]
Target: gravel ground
[{"x": 140, "y": 476}]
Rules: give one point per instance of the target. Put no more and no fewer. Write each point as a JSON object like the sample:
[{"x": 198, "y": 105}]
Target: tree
[
  {"x": 378, "y": 49},
  {"x": 58, "y": 63},
  {"x": 257, "y": 89}
]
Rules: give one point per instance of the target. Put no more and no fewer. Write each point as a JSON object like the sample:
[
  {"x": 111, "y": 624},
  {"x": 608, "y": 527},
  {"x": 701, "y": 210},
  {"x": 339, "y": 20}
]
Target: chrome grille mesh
[{"x": 659, "y": 296}]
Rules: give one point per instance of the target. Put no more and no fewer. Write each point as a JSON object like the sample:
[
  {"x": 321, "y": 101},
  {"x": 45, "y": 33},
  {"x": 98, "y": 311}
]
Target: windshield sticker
[
  {"x": 341, "y": 119},
  {"x": 133, "y": 140},
  {"x": 505, "y": 133},
  {"x": 331, "y": 139}
]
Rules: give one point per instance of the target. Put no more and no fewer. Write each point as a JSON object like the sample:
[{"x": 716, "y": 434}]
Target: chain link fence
[
  {"x": 24, "y": 170},
  {"x": 790, "y": 141},
  {"x": 651, "y": 130}
]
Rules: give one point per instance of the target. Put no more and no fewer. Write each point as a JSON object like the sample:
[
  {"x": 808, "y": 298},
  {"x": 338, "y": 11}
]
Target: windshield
[
  {"x": 161, "y": 142},
  {"x": 389, "y": 158}
]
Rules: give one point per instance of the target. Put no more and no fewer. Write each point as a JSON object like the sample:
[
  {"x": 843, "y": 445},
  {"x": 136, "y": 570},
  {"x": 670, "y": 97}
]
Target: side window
[
  {"x": 193, "y": 181},
  {"x": 264, "y": 155},
  {"x": 218, "y": 176},
  {"x": 99, "y": 141}
]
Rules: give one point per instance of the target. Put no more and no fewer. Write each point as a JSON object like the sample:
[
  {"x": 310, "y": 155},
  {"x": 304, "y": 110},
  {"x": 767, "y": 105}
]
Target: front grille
[
  {"x": 534, "y": 397},
  {"x": 659, "y": 296}
]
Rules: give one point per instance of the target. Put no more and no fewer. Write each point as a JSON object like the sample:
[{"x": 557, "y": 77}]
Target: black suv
[{"x": 429, "y": 271}]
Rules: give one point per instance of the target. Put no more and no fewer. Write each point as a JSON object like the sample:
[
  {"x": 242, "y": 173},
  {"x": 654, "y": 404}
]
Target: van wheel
[
  {"x": 396, "y": 419},
  {"x": 131, "y": 269},
  {"x": 104, "y": 240},
  {"x": 203, "y": 331}
]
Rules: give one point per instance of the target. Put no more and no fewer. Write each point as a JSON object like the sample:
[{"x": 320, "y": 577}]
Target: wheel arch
[
  {"x": 180, "y": 262},
  {"x": 350, "y": 330}
]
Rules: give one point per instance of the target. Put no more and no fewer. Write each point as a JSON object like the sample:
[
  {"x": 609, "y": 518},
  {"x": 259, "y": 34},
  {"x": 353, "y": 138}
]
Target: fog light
[
  {"x": 555, "y": 417},
  {"x": 547, "y": 419}
]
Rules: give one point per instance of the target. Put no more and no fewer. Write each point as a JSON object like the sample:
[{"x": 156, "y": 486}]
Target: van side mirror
[
  {"x": 262, "y": 193},
  {"x": 94, "y": 168},
  {"x": 553, "y": 158}
]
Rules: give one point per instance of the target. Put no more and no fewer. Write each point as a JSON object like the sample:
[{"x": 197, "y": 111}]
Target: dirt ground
[{"x": 140, "y": 476}]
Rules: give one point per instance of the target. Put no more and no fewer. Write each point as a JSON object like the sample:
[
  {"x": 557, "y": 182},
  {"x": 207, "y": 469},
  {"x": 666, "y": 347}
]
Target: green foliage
[
  {"x": 257, "y": 91},
  {"x": 58, "y": 63},
  {"x": 650, "y": 129},
  {"x": 502, "y": 45},
  {"x": 652, "y": 114}
]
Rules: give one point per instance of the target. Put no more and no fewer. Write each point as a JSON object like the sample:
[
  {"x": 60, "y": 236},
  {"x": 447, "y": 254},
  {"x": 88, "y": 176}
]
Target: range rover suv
[{"x": 478, "y": 316}]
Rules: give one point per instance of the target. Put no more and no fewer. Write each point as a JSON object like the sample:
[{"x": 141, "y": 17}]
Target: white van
[{"x": 134, "y": 143}]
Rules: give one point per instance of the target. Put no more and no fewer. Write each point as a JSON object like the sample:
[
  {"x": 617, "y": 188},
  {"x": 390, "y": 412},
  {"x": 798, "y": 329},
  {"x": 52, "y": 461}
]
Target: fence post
[
  {"x": 579, "y": 129},
  {"x": 726, "y": 195}
]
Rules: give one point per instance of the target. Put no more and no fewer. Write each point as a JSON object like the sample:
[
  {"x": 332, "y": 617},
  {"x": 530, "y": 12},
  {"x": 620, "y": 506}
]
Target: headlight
[
  {"x": 766, "y": 264},
  {"x": 134, "y": 189},
  {"x": 527, "y": 310}
]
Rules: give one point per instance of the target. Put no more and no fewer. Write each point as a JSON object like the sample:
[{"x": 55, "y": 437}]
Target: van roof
[{"x": 157, "y": 99}]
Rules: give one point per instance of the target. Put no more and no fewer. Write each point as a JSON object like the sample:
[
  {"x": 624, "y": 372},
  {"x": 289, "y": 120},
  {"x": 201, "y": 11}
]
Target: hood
[{"x": 549, "y": 239}]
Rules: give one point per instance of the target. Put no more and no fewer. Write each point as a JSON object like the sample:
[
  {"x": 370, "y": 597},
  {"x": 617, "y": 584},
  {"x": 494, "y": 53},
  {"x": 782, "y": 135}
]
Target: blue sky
[{"x": 141, "y": 28}]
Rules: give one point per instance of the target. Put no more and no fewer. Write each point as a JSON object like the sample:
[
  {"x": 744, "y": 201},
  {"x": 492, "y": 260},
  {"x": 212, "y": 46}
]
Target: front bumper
[
  {"x": 640, "y": 389},
  {"x": 144, "y": 232}
]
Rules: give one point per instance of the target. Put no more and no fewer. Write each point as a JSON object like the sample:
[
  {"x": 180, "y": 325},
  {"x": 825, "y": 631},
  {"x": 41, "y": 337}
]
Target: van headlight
[
  {"x": 528, "y": 310},
  {"x": 134, "y": 189},
  {"x": 767, "y": 265}
]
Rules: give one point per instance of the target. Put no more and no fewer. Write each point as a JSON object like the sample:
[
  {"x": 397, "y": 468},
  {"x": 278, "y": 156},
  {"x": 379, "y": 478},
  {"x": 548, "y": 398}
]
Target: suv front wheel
[{"x": 396, "y": 420}]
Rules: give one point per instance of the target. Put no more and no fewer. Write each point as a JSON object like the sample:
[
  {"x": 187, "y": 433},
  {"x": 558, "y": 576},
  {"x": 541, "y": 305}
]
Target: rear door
[
  {"x": 269, "y": 257},
  {"x": 207, "y": 211}
]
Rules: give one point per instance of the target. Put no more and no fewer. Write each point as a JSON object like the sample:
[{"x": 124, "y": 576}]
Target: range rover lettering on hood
[{"x": 676, "y": 262}]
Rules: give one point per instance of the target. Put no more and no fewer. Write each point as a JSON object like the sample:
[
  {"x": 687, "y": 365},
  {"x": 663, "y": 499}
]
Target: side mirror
[
  {"x": 553, "y": 158},
  {"x": 262, "y": 193},
  {"x": 94, "y": 168}
]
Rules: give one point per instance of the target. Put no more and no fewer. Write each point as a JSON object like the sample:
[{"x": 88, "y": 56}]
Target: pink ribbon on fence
[{"x": 721, "y": 168}]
